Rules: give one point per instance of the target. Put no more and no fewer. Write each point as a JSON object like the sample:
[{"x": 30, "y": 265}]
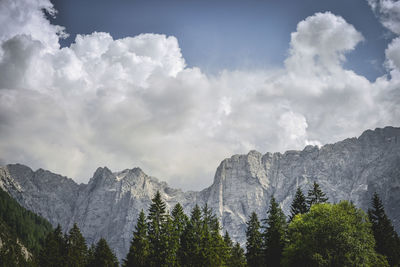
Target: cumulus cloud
[
  {"x": 133, "y": 102},
  {"x": 388, "y": 12}
]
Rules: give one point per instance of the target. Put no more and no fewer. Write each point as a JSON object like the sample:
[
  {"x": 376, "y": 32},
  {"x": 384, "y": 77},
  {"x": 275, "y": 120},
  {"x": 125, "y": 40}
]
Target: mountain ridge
[{"x": 109, "y": 203}]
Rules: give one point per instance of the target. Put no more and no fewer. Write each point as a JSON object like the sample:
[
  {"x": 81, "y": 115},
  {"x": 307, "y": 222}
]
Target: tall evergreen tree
[
  {"x": 138, "y": 254},
  {"x": 254, "y": 253},
  {"x": 76, "y": 248},
  {"x": 228, "y": 247},
  {"x": 103, "y": 256},
  {"x": 179, "y": 221},
  {"x": 90, "y": 255},
  {"x": 299, "y": 205},
  {"x": 156, "y": 218},
  {"x": 190, "y": 250},
  {"x": 237, "y": 258},
  {"x": 53, "y": 252},
  {"x": 387, "y": 240},
  {"x": 274, "y": 234},
  {"x": 169, "y": 245},
  {"x": 212, "y": 244},
  {"x": 315, "y": 195}
]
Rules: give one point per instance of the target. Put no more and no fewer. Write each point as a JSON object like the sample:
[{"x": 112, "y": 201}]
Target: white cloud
[
  {"x": 388, "y": 12},
  {"x": 132, "y": 102},
  {"x": 27, "y": 17},
  {"x": 320, "y": 42}
]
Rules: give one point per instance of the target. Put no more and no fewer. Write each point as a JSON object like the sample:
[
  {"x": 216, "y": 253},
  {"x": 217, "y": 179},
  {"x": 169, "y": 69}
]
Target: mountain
[{"x": 110, "y": 203}]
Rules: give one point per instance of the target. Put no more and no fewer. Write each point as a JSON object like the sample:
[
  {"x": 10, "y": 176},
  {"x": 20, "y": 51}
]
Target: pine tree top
[
  {"x": 315, "y": 195},
  {"x": 299, "y": 205}
]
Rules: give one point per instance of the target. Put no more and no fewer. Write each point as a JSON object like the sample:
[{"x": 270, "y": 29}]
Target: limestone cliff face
[{"x": 109, "y": 204}]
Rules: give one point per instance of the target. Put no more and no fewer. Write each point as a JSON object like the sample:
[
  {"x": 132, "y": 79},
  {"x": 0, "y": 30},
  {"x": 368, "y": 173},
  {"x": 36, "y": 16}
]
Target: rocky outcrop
[{"x": 109, "y": 204}]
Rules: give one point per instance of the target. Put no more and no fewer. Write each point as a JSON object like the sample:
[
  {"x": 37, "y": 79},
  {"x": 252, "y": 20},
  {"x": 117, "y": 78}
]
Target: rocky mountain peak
[{"x": 109, "y": 204}]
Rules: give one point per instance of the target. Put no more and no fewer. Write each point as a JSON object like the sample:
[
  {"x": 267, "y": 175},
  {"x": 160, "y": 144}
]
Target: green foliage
[
  {"x": 201, "y": 241},
  {"x": 254, "y": 254},
  {"x": 11, "y": 250},
  {"x": 315, "y": 195},
  {"x": 54, "y": 250},
  {"x": 228, "y": 246},
  {"x": 274, "y": 234},
  {"x": 190, "y": 250},
  {"x": 29, "y": 228},
  {"x": 237, "y": 258},
  {"x": 299, "y": 205},
  {"x": 156, "y": 219},
  {"x": 76, "y": 248},
  {"x": 331, "y": 235},
  {"x": 212, "y": 244},
  {"x": 103, "y": 256},
  {"x": 387, "y": 240},
  {"x": 138, "y": 254}
]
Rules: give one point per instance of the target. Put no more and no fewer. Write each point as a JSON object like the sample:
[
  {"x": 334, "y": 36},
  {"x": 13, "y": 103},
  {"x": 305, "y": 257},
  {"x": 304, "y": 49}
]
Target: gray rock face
[{"x": 109, "y": 204}]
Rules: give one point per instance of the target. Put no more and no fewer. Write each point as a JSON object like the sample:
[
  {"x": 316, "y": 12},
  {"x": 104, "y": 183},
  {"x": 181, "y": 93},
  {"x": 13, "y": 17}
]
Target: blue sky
[
  {"x": 226, "y": 34},
  {"x": 174, "y": 87}
]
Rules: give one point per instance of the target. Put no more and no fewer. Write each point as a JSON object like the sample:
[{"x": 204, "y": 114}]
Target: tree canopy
[{"x": 331, "y": 235}]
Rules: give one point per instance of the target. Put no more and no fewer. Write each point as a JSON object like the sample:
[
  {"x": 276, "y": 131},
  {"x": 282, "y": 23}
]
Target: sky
[{"x": 174, "y": 87}]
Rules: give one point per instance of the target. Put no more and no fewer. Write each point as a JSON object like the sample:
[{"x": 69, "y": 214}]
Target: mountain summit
[{"x": 109, "y": 204}]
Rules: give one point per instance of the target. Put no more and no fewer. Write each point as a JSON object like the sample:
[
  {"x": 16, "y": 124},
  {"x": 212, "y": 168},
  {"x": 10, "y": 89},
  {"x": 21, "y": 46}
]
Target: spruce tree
[
  {"x": 76, "y": 248},
  {"x": 212, "y": 244},
  {"x": 138, "y": 254},
  {"x": 387, "y": 240},
  {"x": 168, "y": 242},
  {"x": 156, "y": 219},
  {"x": 254, "y": 253},
  {"x": 190, "y": 253},
  {"x": 228, "y": 247},
  {"x": 315, "y": 195},
  {"x": 90, "y": 255},
  {"x": 179, "y": 221},
  {"x": 237, "y": 258},
  {"x": 299, "y": 205},
  {"x": 103, "y": 256},
  {"x": 53, "y": 252},
  {"x": 274, "y": 234}
]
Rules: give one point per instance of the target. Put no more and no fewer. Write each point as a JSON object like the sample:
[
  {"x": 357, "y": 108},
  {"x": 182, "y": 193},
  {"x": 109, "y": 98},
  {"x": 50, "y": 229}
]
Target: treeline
[
  {"x": 316, "y": 233},
  {"x": 321, "y": 234},
  {"x": 159, "y": 239}
]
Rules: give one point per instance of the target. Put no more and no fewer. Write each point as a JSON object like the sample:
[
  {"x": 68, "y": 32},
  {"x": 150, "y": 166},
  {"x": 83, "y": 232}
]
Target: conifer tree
[
  {"x": 228, "y": 247},
  {"x": 90, "y": 255},
  {"x": 299, "y": 205},
  {"x": 139, "y": 250},
  {"x": 387, "y": 240},
  {"x": 212, "y": 244},
  {"x": 190, "y": 249},
  {"x": 103, "y": 256},
  {"x": 53, "y": 253},
  {"x": 254, "y": 253},
  {"x": 168, "y": 242},
  {"x": 156, "y": 218},
  {"x": 76, "y": 248},
  {"x": 179, "y": 218},
  {"x": 237, "y": 258},
  {"x": 315, "y": 195},
  {"x": 179, "y": 221},
  {"x": 274, "y": 234}
]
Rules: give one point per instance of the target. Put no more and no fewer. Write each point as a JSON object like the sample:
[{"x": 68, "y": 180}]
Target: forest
[{"x": 316, "y": 233}]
